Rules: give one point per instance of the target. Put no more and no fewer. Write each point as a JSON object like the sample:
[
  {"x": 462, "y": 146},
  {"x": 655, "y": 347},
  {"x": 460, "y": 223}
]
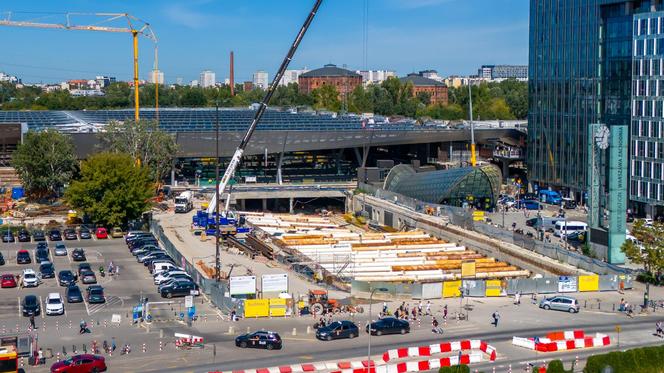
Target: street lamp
[{"x": 369, "y": 344}]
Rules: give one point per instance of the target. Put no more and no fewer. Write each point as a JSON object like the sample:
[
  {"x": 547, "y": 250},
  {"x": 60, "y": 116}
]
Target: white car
[
  {"x": 30, "y": 278},
  {"x": 165, "y": 276},
  {"x": 54, "y": 304}
]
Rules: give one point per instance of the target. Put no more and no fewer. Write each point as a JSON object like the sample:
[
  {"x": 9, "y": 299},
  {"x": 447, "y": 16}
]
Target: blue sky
[{"x": 451, "y": 36}]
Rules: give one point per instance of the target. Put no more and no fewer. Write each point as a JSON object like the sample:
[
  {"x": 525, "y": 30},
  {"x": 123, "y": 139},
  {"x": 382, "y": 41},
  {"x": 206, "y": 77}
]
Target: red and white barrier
[
  {"x": 571, "y": 340},
  {"x": 438, "y": 348},
  {"x": 183, "y": 339}
]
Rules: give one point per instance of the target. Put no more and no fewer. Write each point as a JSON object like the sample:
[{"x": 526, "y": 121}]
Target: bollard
[
  {"x": 105, "y": 323},
  {"x": 4, "y": 329},
  {"x": 614, "y": 307},
  {"x": 17, "y": 328},
  {"x": 161, "y": 346},
  {"x": 509, "y": 368},
  {"x": 248, "y": 330},
  {"x": 161, "y": 333},
  {"x": 57, "y": 327},
  {"x": 231, "y": 329},
  {"x": 493, "y": 370},
  {"x": 57, "y": 357},
  {"x": 22, "y": 363},
  {"x": 585, "y": 304},
  {"x": 294, "y": 331},
  {"x": 576, "y": 361},
  {"x": 144, "y": 349},
  {"x": 599, "y": 305},
  {"x": 205, "y": 319},
  {"x": 69, "y": 324},
  {"x": 308, "y": 329}
]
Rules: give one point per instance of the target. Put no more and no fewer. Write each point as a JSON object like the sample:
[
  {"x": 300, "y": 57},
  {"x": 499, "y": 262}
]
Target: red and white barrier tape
[
  {"x": 573, "y": 340},
  {"x": 438, "y": 348}
]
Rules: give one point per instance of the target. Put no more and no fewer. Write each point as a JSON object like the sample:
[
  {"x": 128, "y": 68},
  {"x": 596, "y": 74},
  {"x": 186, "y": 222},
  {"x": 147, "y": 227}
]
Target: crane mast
[{"x": 237, "y": 155}]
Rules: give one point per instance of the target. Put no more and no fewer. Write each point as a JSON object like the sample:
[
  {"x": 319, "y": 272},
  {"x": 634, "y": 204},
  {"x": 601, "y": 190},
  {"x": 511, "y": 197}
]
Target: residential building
[
  {"x": 9, "y": 78},
  {"x": 179, "y": 81},
  {"x": 436, "y": 90},
  {"x": 431, "y": 74},
  {"x": 455, "y": 81},
  {"x": 207, "y": 79},
  {"x": 156, "y": 76},
  {"x": 194, "y": 83},
  {"x": 292, "y": 76},
  {"x": 610, "y": 72},
  {"x": 345, "y": 81},
  {"x": 375, "y": 76},
  {"x": 104, "y": 81},
  {"x": 502, "y": 72},
  {"x": 261, "y": 79},
  {"x": 248, "y": 86}
]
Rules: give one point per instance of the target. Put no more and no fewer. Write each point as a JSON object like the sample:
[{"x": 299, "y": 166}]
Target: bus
[
  {"x": 563, "y": 228},
  {"x": 8, "y": 359}
]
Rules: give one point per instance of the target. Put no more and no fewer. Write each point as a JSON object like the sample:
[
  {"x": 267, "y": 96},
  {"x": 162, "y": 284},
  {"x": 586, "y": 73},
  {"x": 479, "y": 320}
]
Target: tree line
[{"x": 491, "y": 100}]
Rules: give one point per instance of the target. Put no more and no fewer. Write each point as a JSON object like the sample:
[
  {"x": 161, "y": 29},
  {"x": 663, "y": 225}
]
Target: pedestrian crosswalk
[{"x": 111, "y": 302}]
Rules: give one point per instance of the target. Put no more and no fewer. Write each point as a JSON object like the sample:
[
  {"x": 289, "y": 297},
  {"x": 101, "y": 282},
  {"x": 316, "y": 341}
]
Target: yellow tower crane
[{"x": 135, "y": 27}]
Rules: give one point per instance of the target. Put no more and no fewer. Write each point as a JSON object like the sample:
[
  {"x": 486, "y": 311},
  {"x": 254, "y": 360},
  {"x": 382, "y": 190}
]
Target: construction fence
[
  {"x": 215, "y": 291},
  {"x": 492, "y": 288},
  {"x": 463, "y": 217}
]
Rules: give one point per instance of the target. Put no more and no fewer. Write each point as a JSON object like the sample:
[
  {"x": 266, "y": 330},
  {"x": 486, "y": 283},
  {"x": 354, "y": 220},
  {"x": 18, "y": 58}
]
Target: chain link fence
[{"x": 463, "y": 218}]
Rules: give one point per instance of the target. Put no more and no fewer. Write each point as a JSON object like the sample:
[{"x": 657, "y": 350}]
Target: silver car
[
  {"x": 60, "y": 250},
  {"x": 560, "y": 303}
]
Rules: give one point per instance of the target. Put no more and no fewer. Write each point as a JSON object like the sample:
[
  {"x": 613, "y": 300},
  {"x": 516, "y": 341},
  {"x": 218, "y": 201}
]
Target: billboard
[
  {"x": 618, "y": 160},
  {"x": 242, "y": 285},
  {"x": 276, "y": 283},
  {"x": 567, "y": 284}
]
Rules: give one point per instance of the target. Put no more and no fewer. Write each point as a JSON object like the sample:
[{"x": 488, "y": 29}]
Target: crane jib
[{"x": 230, "y": 170}]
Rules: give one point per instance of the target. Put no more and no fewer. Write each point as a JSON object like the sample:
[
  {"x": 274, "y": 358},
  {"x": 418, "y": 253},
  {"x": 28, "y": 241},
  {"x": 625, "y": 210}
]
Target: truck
[
  {"x": 184, "y": 202},
  {"x": 550, "y": 196}
]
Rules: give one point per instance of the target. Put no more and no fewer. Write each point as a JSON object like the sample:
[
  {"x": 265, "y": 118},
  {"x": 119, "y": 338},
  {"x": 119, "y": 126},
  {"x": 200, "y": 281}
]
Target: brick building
[
  {"x": 435, "y": 89},
  {"x": 345, "y": 81}
]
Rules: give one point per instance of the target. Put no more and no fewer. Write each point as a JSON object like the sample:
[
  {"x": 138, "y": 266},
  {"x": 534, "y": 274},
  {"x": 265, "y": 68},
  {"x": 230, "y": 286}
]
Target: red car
[
  {"x": 8, "y": 281},
  {"x": 101, "y": 233},
  {"x": 84, "y": 363}
]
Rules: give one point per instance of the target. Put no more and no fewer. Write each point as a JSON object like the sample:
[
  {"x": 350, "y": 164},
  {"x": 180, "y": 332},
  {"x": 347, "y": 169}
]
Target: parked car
[
  {"x": 46, "y": 270},
  {"x": 389, "y": 325},
  {"x": 146, "y": 258},
  {"x": 66, "y": 278},
  {"x": 8, "y": 236},
  {"x": 95, "y": 294},
  {"x": 80, "y": 363},
  {"x": 60, "y": 250},
  {"x": 528, "y": 204},
  {"x": 23, "y": 257},
  {"x": 41, "y": 255},
  {"x": 178, "y": 289},
  {"x": 87, "y": 277},
  {"x": 23, "y": 235},
  {"x": 174, "y": 277},
  {"x": 83, "y": 267},
  {"x": 55, "y": 235},
  {"x": 8, "y": 281},
  {"x": 532, "y": 222},
  {"x": 30, "y": 278},
  {"x": 144, "y": 250},
  {"x": 117, "y": 232},
  {"x": 159, "y": 267},
  {"x": 101, "y": 233},
  {"x": 38, "y": 235},
  {"x": 568, "y": 203},
  {"x": 560, "y": 303},
  {"x": 54, "y": 304},
  {"x": 261, "y": 339},
  {"x": 167, "y": 275},
  {"x": 142, "y": 242},
  {"x": 84, "y": 233},
  {"x": 78, "y": 255},
  {"x": 70, "y": 234},
  {"x": 73, "y": 294},
  {"x": 30, "y": 306},
  {"x": 132, "y": 235},
  {"x": 338, "y": 330},
  {"x": 2, "y": 260},
  {"x": 42, "y": 245}
]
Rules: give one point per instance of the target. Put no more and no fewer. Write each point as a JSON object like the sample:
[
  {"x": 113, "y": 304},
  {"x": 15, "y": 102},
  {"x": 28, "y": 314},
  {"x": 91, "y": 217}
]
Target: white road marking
[
  {"x": 43, "y": 309},
  {"x": 85, "y": 301},
  {"x": 19, "y": 307}
]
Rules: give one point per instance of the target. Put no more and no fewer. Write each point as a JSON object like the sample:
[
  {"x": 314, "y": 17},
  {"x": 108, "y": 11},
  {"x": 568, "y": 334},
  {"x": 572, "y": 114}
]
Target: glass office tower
[{"x": 596, "y": 61}]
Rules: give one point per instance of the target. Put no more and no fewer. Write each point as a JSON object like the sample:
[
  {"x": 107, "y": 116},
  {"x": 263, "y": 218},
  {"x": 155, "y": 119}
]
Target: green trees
[
  {"x": 638, "y": 360},
  {"x": 45, "y": 162},
  {"x": 455, "y": 369},
  {"x": 326, "y": 97},
  {"x": 143, "y": 141},
  {"x": 648, "y": 251},
  {"x": 111, "y": 189},
  {"x": 556, "y": 366}
]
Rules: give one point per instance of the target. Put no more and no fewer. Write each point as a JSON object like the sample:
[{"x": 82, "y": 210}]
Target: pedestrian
[
  {"x": 428, "y": 308},
  {"x": 419, "y": 308},
  {"x": 32, "y": 322},
  {"x": 533, "y": 298},
  {"x": 517, "y": 298},
  {"x": 513, "y": 226},
  {"x": 40, "y": 356},
  {"x": 436, "y": 327},
  {"x": 83, "y": 326},
  {"x": 384, "y": 307},
  {"x": 414, "y": 313},
  {"x": 113, "y": 345},
  {"x": 658, "y": 329},
  {"x": 233, "y": 314},
  {"x": 495, "y": 316},
  {"x": 445, "y": 313}
]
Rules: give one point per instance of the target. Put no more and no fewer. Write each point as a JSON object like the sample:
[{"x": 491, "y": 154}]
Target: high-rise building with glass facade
[{"x": 596, "y": 61}]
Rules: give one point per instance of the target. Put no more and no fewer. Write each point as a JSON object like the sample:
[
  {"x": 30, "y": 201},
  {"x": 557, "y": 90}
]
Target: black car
[
  {"x": 568, "y": 204},
  {"x": 145, "y": 249},
  {"x": 155, "y": 256},
  {"x": 83, "y": 267},
  {"x": 142, "y": 242},
  {"x": 70, "y": 234},
  {"x": 55, "y": 235},
  {"x": 531, "y": 222},
  {"x": 41, "y": 255},
  {"x": 260, "y": 339},
  {"x": 23, "y": 257},
  {"x": 73, "y": 294},
  {"x": 78, "y": 255},
  {"x": 84, "y": 233},
  {"x": 30, "y": 305},
  {"x": 338, "y": 330},
  {"x": 38, "y": 235},
  {"x": 66, "y": 278},
  {"x": 8, "y": 236},
  {"x": 23, "y": 235},
  {"x": 137, "y": 235},
  {"x": 2, "y": 260},
  {"x": 178, "y": 289},
  {"x": 42, "y": 245},
  {"x": 46, "y": 270},
  {"x": 389, "y": 325},
  {"x": 95, "y": 294}
]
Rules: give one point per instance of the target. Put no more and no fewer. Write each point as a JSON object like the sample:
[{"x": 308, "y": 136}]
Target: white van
[
  {"x": 159, "y": 267},
  {"x": 563, "y": 228}
]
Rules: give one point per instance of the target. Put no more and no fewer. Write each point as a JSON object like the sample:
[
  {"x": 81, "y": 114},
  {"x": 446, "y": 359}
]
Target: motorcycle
[{"x": 101, "y": 272}]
